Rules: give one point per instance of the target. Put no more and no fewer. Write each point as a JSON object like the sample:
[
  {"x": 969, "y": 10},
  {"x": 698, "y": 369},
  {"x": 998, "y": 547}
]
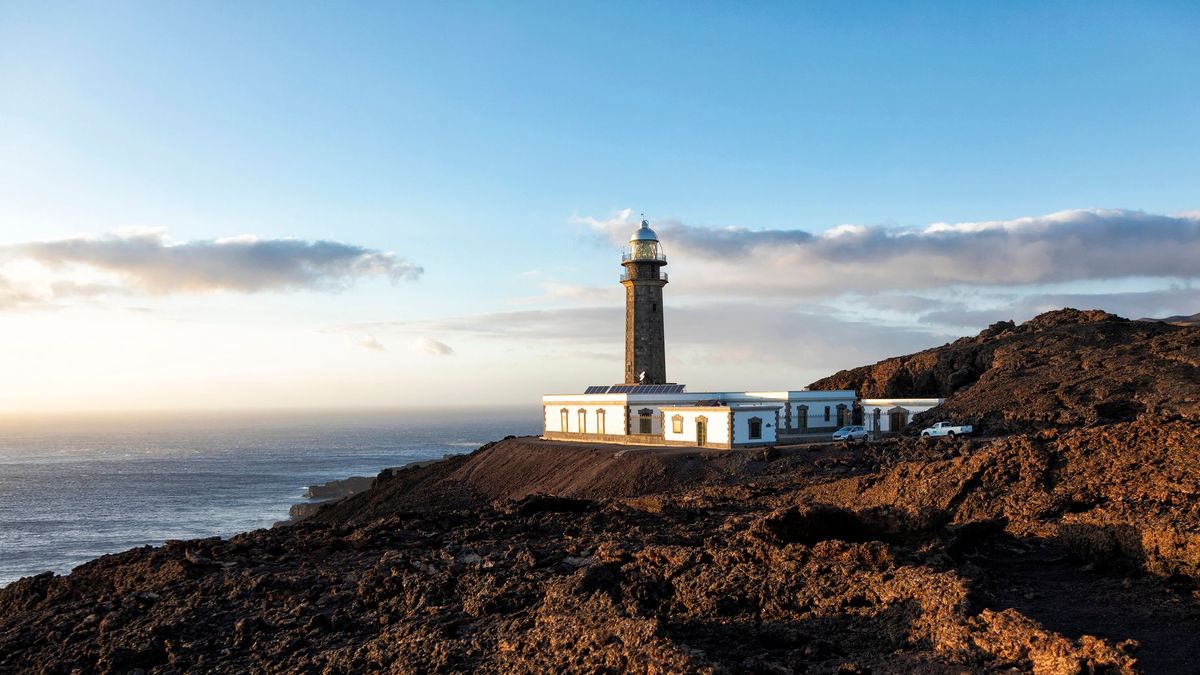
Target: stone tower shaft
[{"x": 645, "y": 342}]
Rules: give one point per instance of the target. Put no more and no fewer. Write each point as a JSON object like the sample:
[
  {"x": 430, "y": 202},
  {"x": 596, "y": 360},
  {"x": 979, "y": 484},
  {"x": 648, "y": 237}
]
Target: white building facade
[
  {"x": 889, "y": 415},
  {"x": 703, "y": 419}
]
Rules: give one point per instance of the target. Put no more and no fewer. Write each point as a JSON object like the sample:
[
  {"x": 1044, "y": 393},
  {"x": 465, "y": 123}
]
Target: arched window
[
  {"x": 600, "y": 421},
  {"x": 562, "y": 419},
  {"x": 701, "y": 430},
  {"x": 826, "y": 413},
  {"x": 677, "y": 424},
  {"x": 582, "y": 421},
  {"x": 755, "y": 428}
]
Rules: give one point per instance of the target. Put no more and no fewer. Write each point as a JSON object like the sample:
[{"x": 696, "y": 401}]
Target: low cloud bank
[
  {"x": 146, "y": 262},
  {"x": 1132, "y": 305},
  {"x": 1074, "y": 245},
  {"x": 756, "y": 334}
]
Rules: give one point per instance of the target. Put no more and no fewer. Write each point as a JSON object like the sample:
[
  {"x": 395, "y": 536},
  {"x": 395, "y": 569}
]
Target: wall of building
[
  {"x": 616, "y": 404},
  {"x": 635, "y": 418},
  {"x": 717, "y": 431},
  {"x": 821, "y": 415},
  {"x": 614, "y": 418},
  {"x": 815, "y": 402},
  {"x": 741, "y": 427},
  {"x": 886, "y": 406}
]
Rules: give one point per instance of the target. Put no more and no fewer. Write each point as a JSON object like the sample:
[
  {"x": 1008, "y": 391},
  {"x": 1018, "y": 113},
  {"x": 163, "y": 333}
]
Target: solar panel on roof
[{"x": 635, "y": 389}]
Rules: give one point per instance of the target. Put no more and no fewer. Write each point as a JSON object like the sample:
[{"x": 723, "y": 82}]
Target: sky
[{"x": 229, "y": 205}]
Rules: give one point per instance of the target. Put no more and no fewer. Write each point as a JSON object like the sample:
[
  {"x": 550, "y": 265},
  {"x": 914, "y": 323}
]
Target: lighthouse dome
[
  {"x": 644, "y": 246},
  {"x": 644, "y": 233}
]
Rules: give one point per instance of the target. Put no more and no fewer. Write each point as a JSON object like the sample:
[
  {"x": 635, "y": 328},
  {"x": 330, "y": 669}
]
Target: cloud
[
  {"x": 735, "y": 334},
  {"x": 1177, "y": 299},
  {"x": 147, "y": 262},
  {"x": 909, "y": 304},
  {"x": 577, "y": 324},
  {"x": 431, "y": 347},
  {"x": 13, "y": 296},
  {"x": 579, "y": 294},
  {"x": 968, "y": 318},
  {"x": 1080, "y": 244},
  {"x": 369, "y": 342}
]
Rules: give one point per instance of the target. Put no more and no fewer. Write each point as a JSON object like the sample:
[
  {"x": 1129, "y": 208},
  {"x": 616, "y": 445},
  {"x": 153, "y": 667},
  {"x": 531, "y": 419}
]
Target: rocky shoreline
[
  {"x": 339, "y": 488},
  {"x": 1067, "y": 542},
  {"x": 319, "y": 495}
]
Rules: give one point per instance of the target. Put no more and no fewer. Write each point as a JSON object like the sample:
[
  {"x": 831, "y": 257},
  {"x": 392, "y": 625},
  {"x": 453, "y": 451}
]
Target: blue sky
[{"x": 497, "y": 146}]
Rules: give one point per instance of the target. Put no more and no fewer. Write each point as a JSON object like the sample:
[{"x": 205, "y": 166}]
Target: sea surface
[{"x": 72, "y": 489}]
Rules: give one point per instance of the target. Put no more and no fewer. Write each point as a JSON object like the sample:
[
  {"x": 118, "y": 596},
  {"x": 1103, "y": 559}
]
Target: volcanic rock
[
  {"x": 1068, "y": 544},
  {"x": 1060, "y": 369}
]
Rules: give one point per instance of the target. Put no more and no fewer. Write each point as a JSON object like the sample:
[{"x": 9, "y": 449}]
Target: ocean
[{"x": 72, "y": 489}]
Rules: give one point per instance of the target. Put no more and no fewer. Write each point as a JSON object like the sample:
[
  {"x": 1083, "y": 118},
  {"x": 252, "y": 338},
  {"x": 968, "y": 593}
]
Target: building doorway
[
  {"x": 897, "y": 419},
  {"x": 645, "y": 426},
  {"x": 701, "y": 431}
]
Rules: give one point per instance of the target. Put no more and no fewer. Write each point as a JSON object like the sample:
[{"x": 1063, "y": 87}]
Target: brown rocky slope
[
  {"x": 1058, "y": 549},
  {"x": 1062, "y": 368}
]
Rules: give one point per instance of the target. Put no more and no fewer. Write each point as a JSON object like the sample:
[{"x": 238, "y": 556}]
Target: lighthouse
[
  {"x": 649, "y": 410},
  {"x": 645, "y": 346}
]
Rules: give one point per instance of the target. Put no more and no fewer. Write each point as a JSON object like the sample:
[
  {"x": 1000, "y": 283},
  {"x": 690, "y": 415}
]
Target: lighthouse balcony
[
  {"x": 627, "y": 277},
  {"x": 643, "y": 256}
]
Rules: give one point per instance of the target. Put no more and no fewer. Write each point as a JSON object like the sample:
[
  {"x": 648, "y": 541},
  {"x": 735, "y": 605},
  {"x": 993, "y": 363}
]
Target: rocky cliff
[
  {"x": 1063, "y": 368},
  {"x": 1070, "y": 544}
]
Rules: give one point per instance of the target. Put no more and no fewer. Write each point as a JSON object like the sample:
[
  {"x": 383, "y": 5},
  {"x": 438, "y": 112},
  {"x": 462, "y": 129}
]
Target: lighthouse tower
[{"x": 645, "y": 347}]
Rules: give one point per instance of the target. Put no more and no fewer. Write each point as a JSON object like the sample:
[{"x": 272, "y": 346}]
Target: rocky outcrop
[
  {"x": 336, "y": 489},
  {"x": 1059, "y": 369}
]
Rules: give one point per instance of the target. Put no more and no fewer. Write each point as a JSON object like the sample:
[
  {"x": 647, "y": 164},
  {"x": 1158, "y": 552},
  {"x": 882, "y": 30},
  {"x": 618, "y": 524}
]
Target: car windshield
[{"x": 843, "y": 429}]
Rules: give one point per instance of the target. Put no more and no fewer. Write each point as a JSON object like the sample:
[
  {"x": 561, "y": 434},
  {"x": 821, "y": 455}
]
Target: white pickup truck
[{"x": 946, "y": 429}]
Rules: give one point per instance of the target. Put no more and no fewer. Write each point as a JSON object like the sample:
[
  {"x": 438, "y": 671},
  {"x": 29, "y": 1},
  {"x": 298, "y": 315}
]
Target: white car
[
  {"x": 946, "y": 429},
  {"x": 851, "y": 433}
]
